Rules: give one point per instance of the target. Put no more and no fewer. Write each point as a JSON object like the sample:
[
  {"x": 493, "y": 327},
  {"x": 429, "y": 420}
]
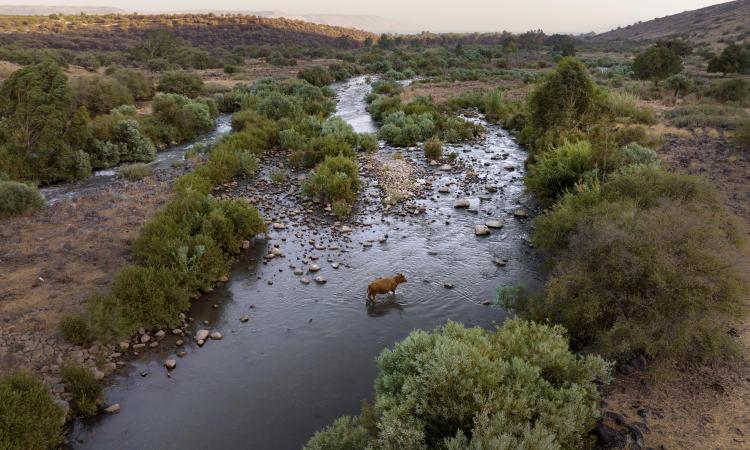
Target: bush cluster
[
  {"x": 29, "y": 418},
  {"x": 456, "y": 387},
  {"x": 85, "y": 390},
  {"x": 17, "y": 198},
  {"x": 335, "y": 179}
]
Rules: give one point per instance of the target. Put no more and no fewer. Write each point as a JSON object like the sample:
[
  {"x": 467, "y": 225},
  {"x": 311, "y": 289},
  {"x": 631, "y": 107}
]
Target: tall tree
[
  {"x": 733, "y": 59},
  {"x": 657, "y": 63}
]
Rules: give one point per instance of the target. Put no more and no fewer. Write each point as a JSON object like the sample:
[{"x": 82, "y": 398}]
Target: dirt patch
[
  {"x": 725, "y": 165},
  {"x": 52, "y": 260},
  {"x": 445, "y": 90},
  {"x": 256, "y": 69}
]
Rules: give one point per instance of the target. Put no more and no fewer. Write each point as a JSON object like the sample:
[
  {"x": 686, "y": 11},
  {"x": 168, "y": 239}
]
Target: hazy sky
[{"x": 440, "y": 15}]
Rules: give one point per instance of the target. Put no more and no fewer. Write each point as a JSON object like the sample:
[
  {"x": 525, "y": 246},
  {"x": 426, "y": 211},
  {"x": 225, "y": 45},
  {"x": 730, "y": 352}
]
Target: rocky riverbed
[{"x": 297, "y": 340}]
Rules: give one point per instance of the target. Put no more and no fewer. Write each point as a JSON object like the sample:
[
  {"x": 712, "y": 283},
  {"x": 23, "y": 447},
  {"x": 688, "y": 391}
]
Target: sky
[{"x": 569, "y": 16}]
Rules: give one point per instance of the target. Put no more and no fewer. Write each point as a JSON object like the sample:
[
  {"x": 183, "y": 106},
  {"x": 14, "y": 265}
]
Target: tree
[
  {"x": 657, "y": 63},
  {"x": 679, "y": 84},
  {"x": 733, "y": 59}
]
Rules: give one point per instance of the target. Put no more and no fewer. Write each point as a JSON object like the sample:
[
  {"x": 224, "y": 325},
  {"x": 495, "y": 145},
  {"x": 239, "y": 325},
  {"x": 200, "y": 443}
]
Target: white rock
[
  {"x": 346, "y": 229},
  {"x": 160, "y": 334},
  {"x": 304, "y": 280},
  {"x": 313, "y": 268},
  {"x": 216, "y": 336},
  {"x": 481, "y": 230},
  {"x": 145, "y": 338},
  {"x": 244, "y": 318},
  {"x": 444, "y": 189},
  {"x": 170, "y": 364},
  {"x": 446, "y": 167},
  {"x": 494, "y": 223},
  {"x": 112, "y": 409},
  {"x": 124, "y": 345},
  {"x": 320, "y": 280},
  {"x": 278, "y": 226},
  {"x": 520, "y": 213},
  {"x": 201, "y": 335}
]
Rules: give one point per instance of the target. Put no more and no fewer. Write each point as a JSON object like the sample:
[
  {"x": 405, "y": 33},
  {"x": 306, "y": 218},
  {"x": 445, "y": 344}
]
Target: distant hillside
[
  {"x": 375, "y": 24},
  {"x": 122, "y": 31},
  {"x": 710, "y": 26},
  {"x": 43, "y": 10}
]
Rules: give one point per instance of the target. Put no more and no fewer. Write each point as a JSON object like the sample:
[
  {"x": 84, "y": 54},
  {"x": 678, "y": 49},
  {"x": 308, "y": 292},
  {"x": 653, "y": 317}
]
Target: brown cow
[{"x": 384, "y": 286}]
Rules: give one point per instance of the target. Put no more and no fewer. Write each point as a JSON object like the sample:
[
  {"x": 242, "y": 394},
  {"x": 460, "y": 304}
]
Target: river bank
[{"x": 305, "y": 353}]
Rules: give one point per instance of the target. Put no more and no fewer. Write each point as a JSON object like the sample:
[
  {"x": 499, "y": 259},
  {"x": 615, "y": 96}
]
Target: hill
[
  {"x": 43, "y": 10},
  {"x": 375, "y": 24},
  {"x": 711, "y": 26},
  {"x": 122, "y": 31}
]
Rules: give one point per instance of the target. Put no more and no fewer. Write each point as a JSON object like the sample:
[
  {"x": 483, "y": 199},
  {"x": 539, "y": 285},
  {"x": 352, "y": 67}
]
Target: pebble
[
  {"x": 320, "y": 280},
  {"x": 278, "y": 226},
  {"x": 313, "y": 268},
  {"x": 112, "y": 409},
  {"x": 216, "y": 336},
  {"x": 170, "y": 364},
  {"x": 304, "y": 280},
  {"x": 448, "y": 285},
  {"x": 244, "y": 318}
]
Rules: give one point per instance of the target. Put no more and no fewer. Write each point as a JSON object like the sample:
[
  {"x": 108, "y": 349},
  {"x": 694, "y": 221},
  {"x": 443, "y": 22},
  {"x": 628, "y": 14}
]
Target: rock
[
  {"x": 501, "y": 262},
  {"x": 278, "y": 226},
  {"x": 145, "y": 338},
  {"x": 64, "y": 407},
  {"x": 245, "y": 244},
  {"x": 346, "y": 229},
  {"x": 216, "y": 336},
  {"x": 320, "y": 280},
  {"x": 448, "y": 285},
  {"x": 298, "y": 271},
  {"x": 446, "y": 167},
  {"x": 98, "y": 374},
  {"x": 486, "y": 303},
  {"x": 276, "y": 252},
  {"x": 509, "y": 167},
  {"x": 160, "y": 334},
  {"x": 112, "y": 409},
  {"x": 520, "y": 213},
  {"x": 244, "y": 318},
  {"x": 179, "y": 343},
  {"x": 304, "y": 280},
  {"x": 138, "y": 346},
  {"x": 201, "y": 335},
  {"x": 170, "y": 364},
  {"x": 177, "y": 332},
  {"x": 124, "y": 345},
  {"x": 444, "y": 190},
  {"x": 494, "y": 223},
  {"x": 313, "y": 268},
  {"x": 335, "y": 265},
  {"x": 481, "y": 230},
  {"x": 461, "y": 203}
]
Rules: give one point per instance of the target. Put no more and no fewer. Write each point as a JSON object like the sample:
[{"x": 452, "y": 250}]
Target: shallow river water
[{"x": 306, "y": 356}]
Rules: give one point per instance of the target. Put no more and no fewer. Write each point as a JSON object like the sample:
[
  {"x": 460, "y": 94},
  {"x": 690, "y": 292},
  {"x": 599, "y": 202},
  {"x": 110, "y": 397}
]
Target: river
[
  {"x": 101, "y": 178},
  {"x": 306, "y": 356}
]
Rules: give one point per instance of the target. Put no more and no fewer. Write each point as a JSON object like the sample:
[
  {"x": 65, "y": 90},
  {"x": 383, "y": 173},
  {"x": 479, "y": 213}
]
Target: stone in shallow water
[
  {"x": 481, "y": 230},
  {"x": 216, "y": 336},
  {"x": 313, "y": 268},
  {"x": 112, "y": 409},
  {"x": 320, "y": 280},
  {"x": 170, "y": 364},
  {"x": 461, "y": 203},
  {"x": 444, "y": 189},
  {"x": 520, "y": 213},
  {"x": 494, "y": 223},
  {"x": 201, "y": 335},
  {"x": 278, "y": 226},
  {"x": 304, "y": 280},
  {"x": 244, "y": 318}
]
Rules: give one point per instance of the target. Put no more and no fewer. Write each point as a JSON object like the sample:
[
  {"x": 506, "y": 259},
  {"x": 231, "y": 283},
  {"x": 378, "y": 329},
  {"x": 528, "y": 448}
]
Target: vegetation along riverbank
[{"x": 637, "y": 172}]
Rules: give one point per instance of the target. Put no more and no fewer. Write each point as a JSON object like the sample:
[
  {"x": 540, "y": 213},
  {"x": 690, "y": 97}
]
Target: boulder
[{"x": 481, "y": 230}]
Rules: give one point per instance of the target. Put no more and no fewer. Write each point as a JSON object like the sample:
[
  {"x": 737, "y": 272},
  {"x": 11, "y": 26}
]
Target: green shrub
[
  {"x": 316, "y": 75},
  {"x": 368, "y": 142},
  {"x": 192, "y": 182},
  {"x": 497, "y": 109},
  {"x": 346, "y": 433},
  {"x": 335, "y": 179},
  {"x": 679, "y": 84},
  {"x": 278, "y": 175},
  {"x": 736, "y": 90},
  {"x": 100, "y": 94},
  {"x": 134, "y": 145},
  {"x": 637, "y": 154},
  {"x": 75, "y": 329},
  {"x": 657, "y": 63},
  {"x": 135, "y": 172},
  {"x": 662, "y": 282},
  {"x": 179, "y": 82},
  {"x": 137, "y": 81},
  {"x": 29, "y": 419},
  {"x": 177, "y": 118},
  {"x": 433, "y": 149},
  {"x": 741, "y": 137},
  {"x": 81, "y": 384},
  {"x": 149, "y": 296},
  {"x": 626, "y": 108},
  {"x": 707, "y": 115},
  {"x": 566, "y": 102},
  {"x": 559, "y": 169},
  {"x": 17, "y": 198},
  {"x": 456, "y": 387}
]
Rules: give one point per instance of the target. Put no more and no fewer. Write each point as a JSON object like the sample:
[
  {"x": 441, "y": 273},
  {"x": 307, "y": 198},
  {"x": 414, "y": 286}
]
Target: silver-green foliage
[{"x": 456, "y": 387}]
